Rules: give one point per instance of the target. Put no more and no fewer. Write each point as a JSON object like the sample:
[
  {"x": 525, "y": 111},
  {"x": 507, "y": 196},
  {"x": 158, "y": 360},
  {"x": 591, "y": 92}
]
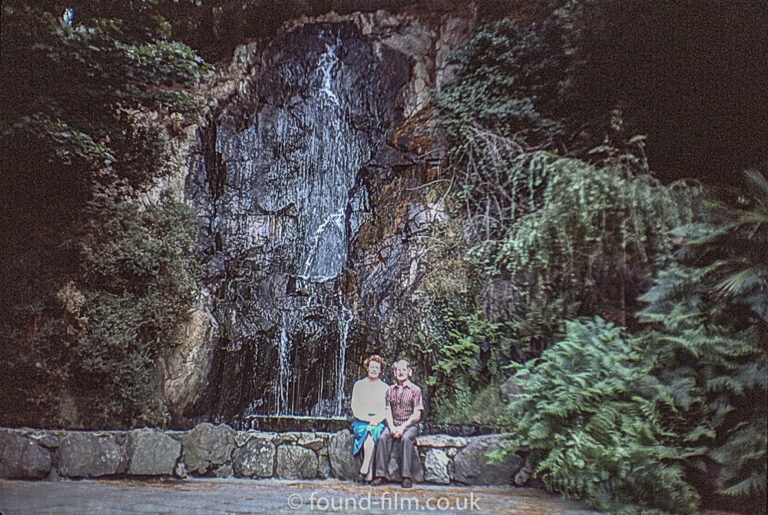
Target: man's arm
[
  {"x": 388, "y": 418},
  {"x": 388, "y": 413},
  {"x": 418, "y": 406},
  {"x": 415, "y": 417}
]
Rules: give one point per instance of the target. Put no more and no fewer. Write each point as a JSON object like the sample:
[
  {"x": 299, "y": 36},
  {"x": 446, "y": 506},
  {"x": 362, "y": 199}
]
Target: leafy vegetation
[
  {"x": 630, "y": 421},
  {"x": 96, "y": 282},
  {"x": 634, "y": 312}
]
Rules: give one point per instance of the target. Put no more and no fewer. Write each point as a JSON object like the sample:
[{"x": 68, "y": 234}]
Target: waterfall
[
  {"x": 345, "y": 320},
  {"x": 283, "y": 372},
  {"x": 325, "y": 64},
  {"x": 282, "y": 193},
  {"x": 337, "y": 219}
]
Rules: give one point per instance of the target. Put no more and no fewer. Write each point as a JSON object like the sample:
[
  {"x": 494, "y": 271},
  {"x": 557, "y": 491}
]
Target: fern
[{"x": 597, "y": 418}]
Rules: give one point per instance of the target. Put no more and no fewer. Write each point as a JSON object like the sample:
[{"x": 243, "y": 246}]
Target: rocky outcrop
[
  {"x": 185, "y": 367},
  {"x": 307, "y": 180},
  {"x": 473, "y": 467},
  {"x": 220, "y": 451}
]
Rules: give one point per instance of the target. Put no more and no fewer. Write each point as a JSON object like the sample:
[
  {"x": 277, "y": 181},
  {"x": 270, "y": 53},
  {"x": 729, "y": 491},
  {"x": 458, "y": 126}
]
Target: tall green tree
[{"x": 74, "y": 81}]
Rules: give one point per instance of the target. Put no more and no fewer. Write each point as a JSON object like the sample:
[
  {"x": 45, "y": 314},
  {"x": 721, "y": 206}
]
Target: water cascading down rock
[{"x": 281, "y": 188}]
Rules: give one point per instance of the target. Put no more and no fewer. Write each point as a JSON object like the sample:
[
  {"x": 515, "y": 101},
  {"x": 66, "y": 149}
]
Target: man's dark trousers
[{"x": 384, "y": 451}]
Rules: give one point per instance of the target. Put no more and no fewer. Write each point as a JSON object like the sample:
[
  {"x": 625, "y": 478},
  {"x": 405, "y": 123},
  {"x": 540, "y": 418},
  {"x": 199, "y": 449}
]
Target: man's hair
[
  {"x": 402, "y": 362},
  {"x": 374, "y": 357}
]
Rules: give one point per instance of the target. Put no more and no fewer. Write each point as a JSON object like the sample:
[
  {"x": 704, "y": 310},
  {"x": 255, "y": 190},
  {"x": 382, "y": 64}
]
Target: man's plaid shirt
[{"x": 403, "y": 401}]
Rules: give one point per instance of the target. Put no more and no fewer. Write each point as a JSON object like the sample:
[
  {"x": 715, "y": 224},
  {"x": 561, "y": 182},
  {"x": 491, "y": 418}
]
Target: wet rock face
[
  {"x": 282, "y": 188},
  {"x": 309, "y": 183}
]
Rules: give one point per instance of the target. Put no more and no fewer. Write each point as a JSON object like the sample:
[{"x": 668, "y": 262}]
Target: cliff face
[{"x": 307, "y": 182}]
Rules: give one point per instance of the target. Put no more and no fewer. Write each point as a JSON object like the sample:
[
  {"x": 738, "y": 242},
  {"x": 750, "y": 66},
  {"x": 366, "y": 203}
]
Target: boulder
[
  {"x": 255, "y": 459},
  {"x": 343, "y": 464},
  {"x": 185, "y": 366},
  {"x": 152, "y": 453},
  {"x": 472, "y": 467},
  {"x": 91, "y": 455},
  {"x": 436, "y": 467},
  {"x": 509, "y": 390},
  {"x": 296, "y": 462},
  {"x": 22, "y": 458},
  {"x": 207, "y": 447}
]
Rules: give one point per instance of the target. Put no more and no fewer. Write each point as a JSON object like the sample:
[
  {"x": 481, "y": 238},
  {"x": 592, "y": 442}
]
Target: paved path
[{"x": 218, "y": 496}]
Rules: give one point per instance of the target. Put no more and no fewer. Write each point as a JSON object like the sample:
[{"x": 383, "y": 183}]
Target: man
[{"x": 402, "y": 410}]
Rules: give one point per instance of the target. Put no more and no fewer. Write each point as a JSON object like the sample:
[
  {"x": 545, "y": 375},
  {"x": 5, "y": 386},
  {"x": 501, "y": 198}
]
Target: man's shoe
[
  {"x": 379, "y": 481},
  {"x": 407, "y": 482}
]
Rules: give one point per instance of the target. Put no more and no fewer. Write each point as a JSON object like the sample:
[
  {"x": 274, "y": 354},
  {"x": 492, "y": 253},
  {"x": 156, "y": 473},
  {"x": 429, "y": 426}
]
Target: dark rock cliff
[{"x": 307, "y": 183}]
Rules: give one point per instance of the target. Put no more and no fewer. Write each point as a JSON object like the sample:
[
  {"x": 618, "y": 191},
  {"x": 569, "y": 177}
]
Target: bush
[
  {"x": 138, "y": 285},
  {"x": 635, "y": 421},
  {"x": 597, "y": 421}
]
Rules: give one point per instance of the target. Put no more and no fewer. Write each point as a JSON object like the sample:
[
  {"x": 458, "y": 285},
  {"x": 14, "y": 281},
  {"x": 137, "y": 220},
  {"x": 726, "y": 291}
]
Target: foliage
[
  {"x": 483, "y": 407},
  {"x": 636, "y": 420},
  {"x": 95, "y": 283},
  {"x": 714, "y": 303},
  {"x": 512, "y": 81},
  {"x": 472, "y": 353},
  {"x": 588, "y": 230},
  {"x": 598, "y": 421},
  {"x": 86, "y": 77},
  {"x": 576, "y": 239},
  {"x": 138, "y": 284}
]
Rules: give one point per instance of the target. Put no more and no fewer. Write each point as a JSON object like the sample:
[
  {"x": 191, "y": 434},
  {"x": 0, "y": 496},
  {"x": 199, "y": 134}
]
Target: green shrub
[
  {"x": 95, "y": 283},
  {"x": 634, "y": 421},
  {"x": 138, "y": 284},
  {"x": 511, "y": 82},
  {"x": 597, "y": 420}
]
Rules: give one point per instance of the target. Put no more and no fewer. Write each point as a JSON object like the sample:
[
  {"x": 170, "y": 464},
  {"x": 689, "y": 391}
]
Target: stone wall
[{"x": 220, "y": 451}]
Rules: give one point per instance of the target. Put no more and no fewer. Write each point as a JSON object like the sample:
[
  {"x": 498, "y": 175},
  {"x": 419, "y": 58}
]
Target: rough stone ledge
[{"x": 219, "y": 451}]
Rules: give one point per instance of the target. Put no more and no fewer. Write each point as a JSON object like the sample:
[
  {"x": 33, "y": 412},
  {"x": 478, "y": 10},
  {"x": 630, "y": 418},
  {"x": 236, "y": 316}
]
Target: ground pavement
[{"x": 240, "y": 496}]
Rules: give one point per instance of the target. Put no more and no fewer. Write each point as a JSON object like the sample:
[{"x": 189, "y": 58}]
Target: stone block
[
  {"x": 441, "y": 441},
  {"x": 22, "y": 457},
  {"x": 91, "y": 455},
  {"x": 207, "y": 447},
  {"x": 296, "y": 462},
  {"x": 471, "y": 464},
  {"x": 436, "y": 467},
  {"x": 255, "y": 459},
  {"x": 152, "y": 453},
  {"x": 343, "y": 464}
]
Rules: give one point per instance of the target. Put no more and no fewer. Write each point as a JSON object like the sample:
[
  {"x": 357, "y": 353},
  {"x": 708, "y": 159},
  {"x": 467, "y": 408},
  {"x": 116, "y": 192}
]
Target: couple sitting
[{"x": 400, "y": 406}]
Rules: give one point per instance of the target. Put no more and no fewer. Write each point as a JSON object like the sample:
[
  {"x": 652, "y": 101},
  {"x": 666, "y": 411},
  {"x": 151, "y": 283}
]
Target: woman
[{"x": 368, "y": 409}]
